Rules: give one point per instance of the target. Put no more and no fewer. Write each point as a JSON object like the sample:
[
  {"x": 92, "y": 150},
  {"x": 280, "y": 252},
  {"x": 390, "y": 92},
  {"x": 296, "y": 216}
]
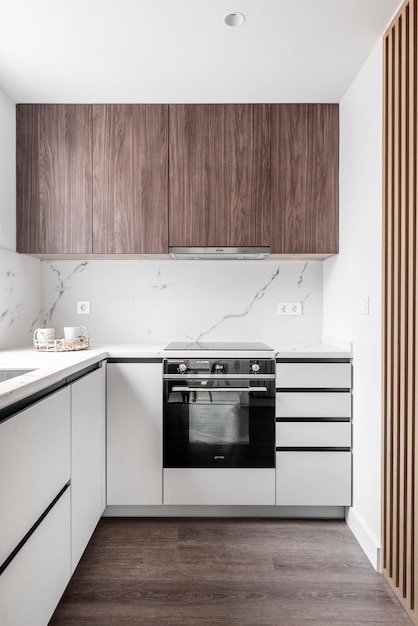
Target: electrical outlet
[
  {"x": 289, "y": 308},
  {"x": 83, "y": 307}
]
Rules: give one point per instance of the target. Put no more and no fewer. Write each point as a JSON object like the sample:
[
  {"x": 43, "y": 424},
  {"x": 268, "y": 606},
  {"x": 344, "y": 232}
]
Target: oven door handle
[{"x": 228, "y": 389}]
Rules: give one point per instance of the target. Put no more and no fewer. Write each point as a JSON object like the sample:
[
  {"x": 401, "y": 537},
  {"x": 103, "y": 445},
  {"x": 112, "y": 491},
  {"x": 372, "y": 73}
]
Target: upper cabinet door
[
  {"x": 304, "y": 154},
  {"x": 130, "y": 185},
  {"x": 54, "y": 182},
  {"x": 219, "y": 188}
]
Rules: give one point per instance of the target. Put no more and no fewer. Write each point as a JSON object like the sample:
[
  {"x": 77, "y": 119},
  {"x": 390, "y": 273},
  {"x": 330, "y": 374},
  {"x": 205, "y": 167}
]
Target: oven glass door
[{"x": 219, "y": 423}]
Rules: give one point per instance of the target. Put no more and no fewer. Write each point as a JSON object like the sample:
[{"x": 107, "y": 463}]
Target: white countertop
[
  {"x": 312, "y": 351},
  {"x": 52, "y": 367}
]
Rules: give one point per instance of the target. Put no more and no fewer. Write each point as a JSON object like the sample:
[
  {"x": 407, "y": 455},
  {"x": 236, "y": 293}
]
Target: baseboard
[
  {"x": 368, "y": 543},
  {"x": 289, "y": 512}
]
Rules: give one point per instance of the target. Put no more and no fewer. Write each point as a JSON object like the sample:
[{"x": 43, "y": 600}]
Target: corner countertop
[
  {"x": 52, "y": 367},
  {"x": 313, "y": 351}
]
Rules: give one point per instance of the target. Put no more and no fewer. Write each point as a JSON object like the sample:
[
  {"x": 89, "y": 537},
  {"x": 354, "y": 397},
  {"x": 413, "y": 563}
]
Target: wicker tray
[{"x": 61, "y": 344}]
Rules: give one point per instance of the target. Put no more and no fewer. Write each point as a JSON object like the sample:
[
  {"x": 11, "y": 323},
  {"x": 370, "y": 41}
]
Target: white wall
[
  {"x": 20, "y": 276},
  {"x": 355, "y": 274},
  {"x": 7, "y": 173}
]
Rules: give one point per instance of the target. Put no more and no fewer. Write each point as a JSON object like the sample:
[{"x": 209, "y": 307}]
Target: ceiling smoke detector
[{"x": 234, "y": 19}]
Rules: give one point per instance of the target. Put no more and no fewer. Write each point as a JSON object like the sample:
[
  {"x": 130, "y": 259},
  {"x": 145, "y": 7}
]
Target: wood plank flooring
[{"x": 226, "y": 572}]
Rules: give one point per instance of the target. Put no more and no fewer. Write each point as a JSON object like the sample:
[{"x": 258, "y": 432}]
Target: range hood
[{"x": 219, "y": 254}]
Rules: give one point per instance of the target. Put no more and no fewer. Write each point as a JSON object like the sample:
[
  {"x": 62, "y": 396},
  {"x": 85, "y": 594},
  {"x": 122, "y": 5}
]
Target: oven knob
[
  {"x": 182, "y": 368},
  {"x": 255, "y": 368}
]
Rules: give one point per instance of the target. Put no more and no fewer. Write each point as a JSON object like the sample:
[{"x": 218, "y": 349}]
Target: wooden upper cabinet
[
  {"x": 134, "y": 178},
  {"x": 130, "y": 185},
  {"x": 219, "y": 185},
  {"x": 54, "y": 182},
  {"x": 304, "y": 185}
]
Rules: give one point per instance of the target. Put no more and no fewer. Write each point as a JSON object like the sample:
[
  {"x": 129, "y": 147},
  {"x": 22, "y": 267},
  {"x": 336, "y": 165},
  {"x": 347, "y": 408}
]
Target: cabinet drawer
[
  {"x": 34, "y": 581},
  {"x": 34, "y": 465},
  {"x": 313, "y": 404},
  {"x": 313, "y": 478},
  {"x": 321, "y": 434},
  {"x": 313, "y": 375}
]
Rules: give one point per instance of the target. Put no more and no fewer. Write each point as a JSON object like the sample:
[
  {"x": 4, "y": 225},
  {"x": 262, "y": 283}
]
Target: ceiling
[{"x": 182, "y": 51}]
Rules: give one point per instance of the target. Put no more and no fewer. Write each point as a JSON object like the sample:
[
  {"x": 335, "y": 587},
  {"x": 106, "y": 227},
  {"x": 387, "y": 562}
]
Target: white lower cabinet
[
  {"x": 42, "y": 447},
  {"x": 34, "y": 465},
  {"x": 313, "y": 432},
  {"x": 33, "y": 583},
  {"x": 319, "y": 478},
  {"x": 134, "y": 433},
  {"x": 88, "y": 423}
]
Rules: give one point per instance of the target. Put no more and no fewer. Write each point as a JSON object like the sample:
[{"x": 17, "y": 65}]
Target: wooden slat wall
[{"x": 400, "y": 291}]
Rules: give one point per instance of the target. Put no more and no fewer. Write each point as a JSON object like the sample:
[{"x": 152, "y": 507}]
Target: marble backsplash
[
  {"x": 160, "y": 300},
  {"x": 20, "y": 298}
]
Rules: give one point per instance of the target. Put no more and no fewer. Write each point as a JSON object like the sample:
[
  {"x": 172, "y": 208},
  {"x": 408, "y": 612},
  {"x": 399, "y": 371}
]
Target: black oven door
[{"x": 219, "y": 423}]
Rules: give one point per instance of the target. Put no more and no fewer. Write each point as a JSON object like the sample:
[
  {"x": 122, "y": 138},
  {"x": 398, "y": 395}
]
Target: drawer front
[
  {"x": 34, "y": 465},
  {"x": 313, "y": 404},
  {"x": 33, "y": 583},
  {"x": 310, "y": 434},
  {"x": 313, "y": 478},
  {"x": 313, "y": 375}
]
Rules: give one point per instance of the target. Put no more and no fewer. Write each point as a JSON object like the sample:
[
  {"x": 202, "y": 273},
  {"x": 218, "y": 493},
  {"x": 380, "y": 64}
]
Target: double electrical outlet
[{"x": 289, "y": 308}]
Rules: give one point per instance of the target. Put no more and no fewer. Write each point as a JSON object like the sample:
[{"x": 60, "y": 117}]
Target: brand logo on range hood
[
  {"x": 217, "y": 254},
  {"x": 220, "y": 457}
]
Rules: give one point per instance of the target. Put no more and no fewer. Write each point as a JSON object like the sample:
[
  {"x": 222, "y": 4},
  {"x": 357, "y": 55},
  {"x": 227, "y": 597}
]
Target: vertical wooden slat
[
  {"x": 388, "y": 298},
  {"x": 395, "y": 337},
  {"x": 414, "y": 308},
  {"x": 385, "y": 421},
  {"x": 402, "y": 299},
  {"x": 390, "y": 305},
  {"x": 400, "y": 315},
  {"x": 411, "y": 337},
  {"x": 389, "y": 308}
]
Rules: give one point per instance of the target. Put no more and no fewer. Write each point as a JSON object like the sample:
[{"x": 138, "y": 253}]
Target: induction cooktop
[{"x": 218, "y": 345}]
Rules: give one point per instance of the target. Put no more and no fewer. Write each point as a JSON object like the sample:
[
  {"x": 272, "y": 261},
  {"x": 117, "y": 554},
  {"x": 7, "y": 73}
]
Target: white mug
[
  {"x": 75, "y": 332},
  {"x": 43, "y": 335}
]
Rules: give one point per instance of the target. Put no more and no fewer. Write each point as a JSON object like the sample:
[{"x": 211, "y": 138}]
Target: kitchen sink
[{"x": 8, "y": 374}]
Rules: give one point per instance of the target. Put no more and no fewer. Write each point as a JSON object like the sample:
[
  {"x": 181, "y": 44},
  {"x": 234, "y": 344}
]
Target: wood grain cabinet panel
[
  {"x": 130, "y": 184},
  {"x": 54, "y": 182},
  {"x": 304, "y": 184},
  {"x": 219, "y": 188},
  {"x": 131, "y": 179}
]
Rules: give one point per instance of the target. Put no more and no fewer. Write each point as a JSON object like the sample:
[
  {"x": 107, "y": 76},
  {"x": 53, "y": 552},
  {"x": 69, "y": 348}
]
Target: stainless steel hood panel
[{"x": 219, "y": 253}]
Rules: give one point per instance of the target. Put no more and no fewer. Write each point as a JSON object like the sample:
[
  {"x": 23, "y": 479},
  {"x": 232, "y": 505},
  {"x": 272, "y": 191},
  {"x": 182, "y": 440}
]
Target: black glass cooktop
[{"x": 218, "y": 345}]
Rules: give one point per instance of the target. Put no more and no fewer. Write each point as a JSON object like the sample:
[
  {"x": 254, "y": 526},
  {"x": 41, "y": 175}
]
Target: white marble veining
[{"x": 162, "y": 300}]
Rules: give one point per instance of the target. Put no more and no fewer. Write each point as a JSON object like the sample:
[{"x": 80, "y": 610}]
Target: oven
[{"x": 219, "y": 412}]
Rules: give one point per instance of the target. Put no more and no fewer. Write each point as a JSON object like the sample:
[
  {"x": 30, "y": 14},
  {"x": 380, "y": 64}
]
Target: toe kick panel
[{"x": 235, "y": 486}]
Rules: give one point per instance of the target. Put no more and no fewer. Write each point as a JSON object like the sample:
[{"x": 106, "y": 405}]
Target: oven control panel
[{"x": 220, "y": 367}]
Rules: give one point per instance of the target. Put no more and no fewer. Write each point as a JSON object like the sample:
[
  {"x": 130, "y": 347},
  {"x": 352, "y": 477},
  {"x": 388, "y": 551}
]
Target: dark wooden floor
[{"x": 225, "y": 572}]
